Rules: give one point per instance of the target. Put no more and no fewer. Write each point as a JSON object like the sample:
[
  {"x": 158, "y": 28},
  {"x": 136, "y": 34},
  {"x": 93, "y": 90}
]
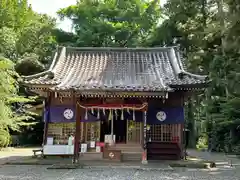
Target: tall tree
[
  {"x": 12, "y": 116},
  {"x": 113, "y": 22},
  {"x": 207, "y": 32},
  {"x": 27, "y": 41}
]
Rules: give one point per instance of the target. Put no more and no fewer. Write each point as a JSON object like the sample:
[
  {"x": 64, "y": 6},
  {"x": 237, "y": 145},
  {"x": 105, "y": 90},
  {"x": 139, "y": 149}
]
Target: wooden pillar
[
  {"x": 77, "y": 129},
  {"x": 46, "y": 106},
  {"x": 144, "y": 156},
  {"x": 182, "y": 136}
]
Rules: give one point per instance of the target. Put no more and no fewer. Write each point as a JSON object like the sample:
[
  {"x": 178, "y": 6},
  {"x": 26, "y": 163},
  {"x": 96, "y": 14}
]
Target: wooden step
[
  {"x": 163, "y": 157},
  {"x": 163, "y": 151}
]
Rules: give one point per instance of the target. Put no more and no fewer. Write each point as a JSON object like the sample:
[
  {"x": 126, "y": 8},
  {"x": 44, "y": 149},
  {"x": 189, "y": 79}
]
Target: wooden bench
[{"x": 35, "y": 151}]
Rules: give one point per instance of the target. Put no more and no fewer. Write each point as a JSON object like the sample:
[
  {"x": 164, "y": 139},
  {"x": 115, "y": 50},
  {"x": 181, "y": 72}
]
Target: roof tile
[{"x": 136, "y": 69}]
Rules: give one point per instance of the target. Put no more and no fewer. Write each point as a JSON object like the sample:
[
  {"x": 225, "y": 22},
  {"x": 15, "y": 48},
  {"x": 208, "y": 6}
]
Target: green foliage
[
  {"x": 25, "y": 35},
  {"x": 27, "y": 41},
  {"x": 202, "y": 142},
  {"x": 12, "y": 117},
  {"x": 113, "y": 22},
  {"x": 5, "y": 138},
  {"x": 8, "y": 42},
  {"x": 208, "y": 32}
]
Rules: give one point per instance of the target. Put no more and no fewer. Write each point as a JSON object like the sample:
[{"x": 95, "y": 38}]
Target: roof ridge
[{"x": 119, "y": 48}]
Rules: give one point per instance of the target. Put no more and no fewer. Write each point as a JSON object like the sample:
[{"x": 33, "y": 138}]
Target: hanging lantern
[
  {"x": 86, "y": 113},
  {"x": 92, "y": 110},
  {"x": 98, "y": 114},
  {"x": 122, "y": 115},
  {"x": 134, "y": 115}
]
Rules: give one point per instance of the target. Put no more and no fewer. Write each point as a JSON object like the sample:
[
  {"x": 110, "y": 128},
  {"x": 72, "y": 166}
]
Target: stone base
[{"x": 144, "y": 161}]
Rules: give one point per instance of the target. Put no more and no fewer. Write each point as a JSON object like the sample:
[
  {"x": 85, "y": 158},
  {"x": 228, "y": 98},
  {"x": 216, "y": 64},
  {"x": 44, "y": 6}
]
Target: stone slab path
[
  {"x": 14, "y": 172},
  {"x": 219, "y": 158},
  {"x": 14, "y": 154}
]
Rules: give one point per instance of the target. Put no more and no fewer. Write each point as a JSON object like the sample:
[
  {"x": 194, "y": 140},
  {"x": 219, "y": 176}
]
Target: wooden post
[
  {"x": 144, "y": 156},
  {"x": 46, "y": 104},
  {"x": 77, "y": 129}
]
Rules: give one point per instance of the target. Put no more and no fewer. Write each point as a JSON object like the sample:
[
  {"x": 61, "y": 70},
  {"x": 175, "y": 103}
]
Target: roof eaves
[
  {"x": 200, "y": 77},
  {"x": 178, "y": 66},
  {"x": 50, "y": 72},
  {"x": 38, "y": 75}
]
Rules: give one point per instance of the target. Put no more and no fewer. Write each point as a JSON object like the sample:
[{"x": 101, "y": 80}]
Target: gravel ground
[{"x": 40, "y": 172}]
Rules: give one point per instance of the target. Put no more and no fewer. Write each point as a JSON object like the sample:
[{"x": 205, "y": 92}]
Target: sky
[{"x": 50, "y": 7}]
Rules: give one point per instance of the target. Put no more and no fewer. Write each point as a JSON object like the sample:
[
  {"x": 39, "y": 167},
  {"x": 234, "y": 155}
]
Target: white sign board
[
  {"x": 83, "y": 148},
  {"x": 98, "y": 149},
  {"x": 49, "y": 140},
  {"x": 92, "y": 144},
  {"x": 108, "y": 138}
]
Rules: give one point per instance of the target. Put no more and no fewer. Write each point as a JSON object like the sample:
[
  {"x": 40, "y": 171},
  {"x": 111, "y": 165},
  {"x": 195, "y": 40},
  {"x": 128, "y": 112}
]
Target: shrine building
[{"x": 115, "y": 103}]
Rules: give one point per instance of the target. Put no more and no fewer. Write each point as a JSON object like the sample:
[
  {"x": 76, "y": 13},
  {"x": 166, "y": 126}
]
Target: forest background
[{"x": 206, "y": 30}]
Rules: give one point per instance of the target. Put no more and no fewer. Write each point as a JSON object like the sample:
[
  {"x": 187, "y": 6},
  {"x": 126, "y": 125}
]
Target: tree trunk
[{"x": 191, "y": 124}]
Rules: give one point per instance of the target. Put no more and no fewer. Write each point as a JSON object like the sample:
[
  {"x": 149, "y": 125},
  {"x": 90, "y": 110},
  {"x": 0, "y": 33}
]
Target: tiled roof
[{"x": 118, "y": 69}]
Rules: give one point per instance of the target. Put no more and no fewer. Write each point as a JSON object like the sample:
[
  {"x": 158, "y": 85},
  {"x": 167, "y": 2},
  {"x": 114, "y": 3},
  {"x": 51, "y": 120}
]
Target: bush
[
  {"x": 5, "y": 138},
  {"x": 202, "y": 142}
]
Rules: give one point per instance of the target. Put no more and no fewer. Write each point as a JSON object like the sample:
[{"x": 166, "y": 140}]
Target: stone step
[
  {"x": 132, "y": 156},
  {"x": 90, "y": 156},
  {"x": 127, "y": 149},
  {"x": 128, "y": 145}
]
